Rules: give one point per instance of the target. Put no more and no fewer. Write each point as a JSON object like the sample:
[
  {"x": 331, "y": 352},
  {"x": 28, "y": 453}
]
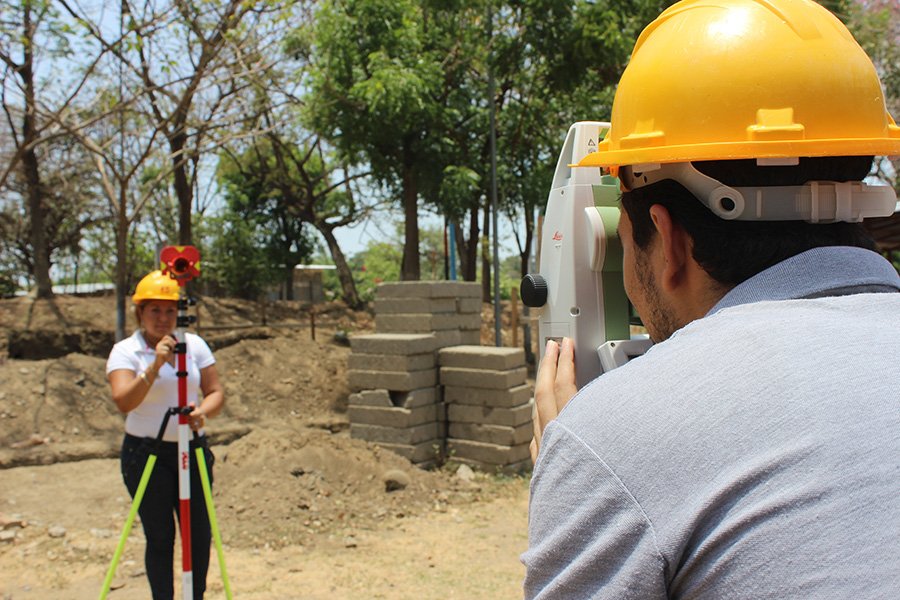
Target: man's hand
[{"x": 554, "y": 387}]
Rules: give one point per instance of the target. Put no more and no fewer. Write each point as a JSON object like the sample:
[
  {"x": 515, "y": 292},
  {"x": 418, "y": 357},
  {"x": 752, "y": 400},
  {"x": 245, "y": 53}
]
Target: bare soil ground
[{"x": 304, "y": 510}]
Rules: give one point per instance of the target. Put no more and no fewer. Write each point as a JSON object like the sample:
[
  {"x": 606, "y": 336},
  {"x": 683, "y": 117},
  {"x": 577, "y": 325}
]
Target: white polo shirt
[{"x": 133, "y": 354}]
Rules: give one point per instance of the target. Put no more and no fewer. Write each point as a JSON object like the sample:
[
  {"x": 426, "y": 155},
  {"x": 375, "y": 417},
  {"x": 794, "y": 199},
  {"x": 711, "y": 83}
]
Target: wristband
[{"x": 143, "y": 375}]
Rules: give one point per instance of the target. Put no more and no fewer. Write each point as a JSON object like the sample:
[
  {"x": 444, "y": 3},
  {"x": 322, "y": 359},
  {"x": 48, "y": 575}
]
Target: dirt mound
[
  {"x": 287, "y": 486},
  {"x": 34, "y": 329},
  {"x": 290, "y": 379},
  {"x": 55, "y": 402}
]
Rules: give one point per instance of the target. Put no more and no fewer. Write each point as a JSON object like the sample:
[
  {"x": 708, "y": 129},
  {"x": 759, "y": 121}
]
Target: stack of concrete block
[
  {"x": 451, "y": 310},
  {"x": 489, "y": 406},
  {"x": 397, "y": 403}
]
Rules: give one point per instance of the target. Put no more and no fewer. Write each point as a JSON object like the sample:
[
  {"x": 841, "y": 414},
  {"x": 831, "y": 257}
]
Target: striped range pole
[
  {"x": 184, "y": 455},
  {"x": 182, "y": 263}
]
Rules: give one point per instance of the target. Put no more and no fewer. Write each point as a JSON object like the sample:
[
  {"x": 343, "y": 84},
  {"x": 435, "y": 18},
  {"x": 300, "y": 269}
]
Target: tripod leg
[
  {"x": 211, "y": 513},
  {"x": 135, "y": 504}
]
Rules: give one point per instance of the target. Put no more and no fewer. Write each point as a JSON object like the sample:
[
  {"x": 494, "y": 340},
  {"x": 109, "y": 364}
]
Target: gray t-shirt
[{"x": 754, "y": 454}]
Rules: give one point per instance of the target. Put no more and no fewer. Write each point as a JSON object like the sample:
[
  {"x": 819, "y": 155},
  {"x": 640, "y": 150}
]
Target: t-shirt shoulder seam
[{"x": 624, "y": 488}]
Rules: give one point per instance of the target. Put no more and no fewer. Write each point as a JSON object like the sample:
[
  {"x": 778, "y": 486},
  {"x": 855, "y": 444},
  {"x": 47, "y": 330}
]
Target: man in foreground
[{"x": 754, "y": 451}]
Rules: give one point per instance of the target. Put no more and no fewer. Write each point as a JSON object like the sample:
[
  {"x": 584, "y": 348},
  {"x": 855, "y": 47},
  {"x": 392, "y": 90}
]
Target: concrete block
[
  {"x": 429, "y": 289},
  {"x": 493, "y": 398},
  {"x": 481, "y": 357},
  {"x": 390, "y": 306},
  {"x": 491, "y": 454},
  {"x": 482, "y": 378},
  {"x": 401, "y": 381},
  {"x": 458, "y": 337},
  {"x": 388, "y": 362},
  {"x": 394, "y": 435},
  {"x": 508, "y": 417},
  {"x": 394, "y": 416},
  {"x": 386, "y": 398},
  {"x": 370, "y": 398},
  {"x": 395, "y": 344},
  {"x": 492, "y": 434},
  {"x": 424, "y": 452},
  {"x": 422, "y": 323},
  {"x": 469, "y": 305}
]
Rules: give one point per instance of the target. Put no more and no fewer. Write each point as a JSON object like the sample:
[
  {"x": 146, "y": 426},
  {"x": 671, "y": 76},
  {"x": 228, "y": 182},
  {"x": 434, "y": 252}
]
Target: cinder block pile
[
  {"x": 451, "y": 310},
  {"x": 489, "y": 406},
  {"x": 397, "y": 403}
]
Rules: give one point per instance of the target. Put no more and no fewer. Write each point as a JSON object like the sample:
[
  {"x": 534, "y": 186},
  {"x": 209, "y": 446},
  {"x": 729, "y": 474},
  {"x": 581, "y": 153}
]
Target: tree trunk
[
  {"x": 525, "y": 257},
  {"x": 486, "y": 258},
  {"x": 409, "y": 270},
  {"x": 182, "y": 186},
  {"x": 289, "y": 282},
  {"x": 37, "y": 234},
  {"x": 468, "y": 248},
  {"x": 34, "y": 191},
  {"x": 348, "y": 286},
  {"x": 121, "y": 266}
]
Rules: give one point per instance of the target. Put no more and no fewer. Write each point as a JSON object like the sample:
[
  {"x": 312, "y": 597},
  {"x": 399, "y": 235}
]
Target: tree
[
  {"x": 43, "y": 73},
  {"x": 375, "y": 87},
  {"x": 72, "y": 202},
  {"x": 172, "y": 84},
  {"x": 280, "y": 238},
  {"x": 379, "y": 262},
  {"x": 876, "y": 26},
  {"x": 297, "y": 183},
  {"x": 556, "y": 63},
  {"x": 241, "y": 265},
  {"x": 190, "y": 60}
]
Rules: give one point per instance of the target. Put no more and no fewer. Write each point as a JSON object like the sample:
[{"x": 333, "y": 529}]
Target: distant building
[
  {"x": 84, "y": 289},
  {"x": 308, "y": 288}
]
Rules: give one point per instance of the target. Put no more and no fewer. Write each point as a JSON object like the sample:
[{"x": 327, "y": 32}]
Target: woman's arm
[
  {"x": 213, "y": 392},
  {"x": 129, "y": 388}
]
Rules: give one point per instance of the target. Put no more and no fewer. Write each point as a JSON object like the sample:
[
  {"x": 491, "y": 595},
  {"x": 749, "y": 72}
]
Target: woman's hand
[
  {"x": 165, "y": 351},
  {"x": 197, "y": 418},
  {"x": 554, "y": 387}
]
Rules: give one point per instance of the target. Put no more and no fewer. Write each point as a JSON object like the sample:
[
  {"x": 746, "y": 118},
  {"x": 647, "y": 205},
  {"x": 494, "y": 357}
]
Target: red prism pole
[{"x": 182, "y": 263}]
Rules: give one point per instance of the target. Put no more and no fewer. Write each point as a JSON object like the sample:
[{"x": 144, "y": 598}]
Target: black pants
[{"x": 159, "y": 510}]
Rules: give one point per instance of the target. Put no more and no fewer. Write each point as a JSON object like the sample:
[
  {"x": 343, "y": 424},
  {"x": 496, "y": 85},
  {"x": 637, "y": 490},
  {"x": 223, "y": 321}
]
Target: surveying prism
[{"x": 578, "y": 288}]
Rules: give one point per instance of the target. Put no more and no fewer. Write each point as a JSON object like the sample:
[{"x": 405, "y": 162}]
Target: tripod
[{"x": 139, "y": 495}]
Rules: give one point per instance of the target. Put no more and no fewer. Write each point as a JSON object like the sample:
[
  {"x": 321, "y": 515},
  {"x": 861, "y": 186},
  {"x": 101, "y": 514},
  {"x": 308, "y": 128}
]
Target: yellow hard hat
[
  {"x": 155, "y": 286},
  {"x": 733, "y": 79}
]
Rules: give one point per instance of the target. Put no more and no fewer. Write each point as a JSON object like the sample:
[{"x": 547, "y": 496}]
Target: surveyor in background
[
  {"x": 141, "y": 370},
  {"x": 754, "y": 450}
]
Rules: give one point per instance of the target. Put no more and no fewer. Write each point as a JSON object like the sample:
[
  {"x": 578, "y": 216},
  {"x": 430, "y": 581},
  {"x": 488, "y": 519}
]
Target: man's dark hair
[{"x": 733, "y": 251}]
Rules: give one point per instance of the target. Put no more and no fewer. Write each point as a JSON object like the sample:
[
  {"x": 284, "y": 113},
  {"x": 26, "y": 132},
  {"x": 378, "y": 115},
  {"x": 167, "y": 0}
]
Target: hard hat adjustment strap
[{"x": 815, "y": 201}]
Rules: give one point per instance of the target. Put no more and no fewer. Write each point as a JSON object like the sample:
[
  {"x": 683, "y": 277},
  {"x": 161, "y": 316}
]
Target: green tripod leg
[
  {"x": 211, "y": 513},
  {"x": 135, "y": 504}
]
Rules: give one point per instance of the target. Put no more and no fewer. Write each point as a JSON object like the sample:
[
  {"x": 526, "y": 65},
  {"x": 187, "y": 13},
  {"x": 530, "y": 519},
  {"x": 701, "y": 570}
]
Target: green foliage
[
  {"x": 261, "y": 239},
  {"x": 510, "y": 276},
  {"x": 379, "y": 262},
  {"x": 8, "y": 285},
  {"x": 370, "y": 68},
  {"x": 237, "y": 261},
  {"x": 876, "y": 26}
]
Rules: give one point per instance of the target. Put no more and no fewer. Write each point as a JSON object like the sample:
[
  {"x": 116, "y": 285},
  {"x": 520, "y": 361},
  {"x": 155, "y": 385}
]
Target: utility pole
[{"x": 493, "y": 143}]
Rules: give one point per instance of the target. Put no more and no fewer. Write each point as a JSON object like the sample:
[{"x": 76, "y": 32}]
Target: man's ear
[{"x": 675, "y": 245}]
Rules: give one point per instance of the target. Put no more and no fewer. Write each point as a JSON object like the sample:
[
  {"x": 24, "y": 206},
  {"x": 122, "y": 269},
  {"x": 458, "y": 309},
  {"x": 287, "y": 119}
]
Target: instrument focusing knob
[{"x": 533, "y": 290}]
